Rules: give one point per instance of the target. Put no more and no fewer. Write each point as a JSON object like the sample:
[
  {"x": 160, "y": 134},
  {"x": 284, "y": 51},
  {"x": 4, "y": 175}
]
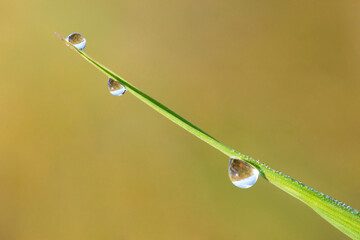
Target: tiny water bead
[
  {"x": 116, "y": 88},
  {"x": 77, "y": 40},
  {"x": 242, "y": 174}
]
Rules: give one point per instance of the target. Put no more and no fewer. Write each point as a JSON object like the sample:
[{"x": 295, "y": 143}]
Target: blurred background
[{"x": 278, "y": 81}]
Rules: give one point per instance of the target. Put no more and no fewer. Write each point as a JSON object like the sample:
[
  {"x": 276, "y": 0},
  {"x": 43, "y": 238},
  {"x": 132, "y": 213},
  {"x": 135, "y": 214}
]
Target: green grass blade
[{"x": 343, "y": 217}]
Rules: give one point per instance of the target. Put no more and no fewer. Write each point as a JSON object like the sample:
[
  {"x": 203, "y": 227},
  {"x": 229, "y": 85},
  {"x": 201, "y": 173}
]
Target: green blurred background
[{"x": 277, "y": 80}]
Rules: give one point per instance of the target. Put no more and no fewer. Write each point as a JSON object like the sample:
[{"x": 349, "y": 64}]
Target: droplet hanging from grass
[
  {"x": 116, "y": 88},
  {"x": 77, "y": 40},
  {"x": 242, "y": 174}
]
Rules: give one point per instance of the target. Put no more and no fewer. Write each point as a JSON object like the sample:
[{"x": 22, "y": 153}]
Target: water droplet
[
  {"x": 116, "y": 88},
  {"x": 242, "y": 174},
  {"x": 77, "y": 40}
]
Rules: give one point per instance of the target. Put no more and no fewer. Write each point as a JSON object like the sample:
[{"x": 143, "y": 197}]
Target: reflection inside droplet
[
  {"x": 77, "y": 40},
  {"x": 242, "y": 174},
  {"x": 116, "y": 88}
]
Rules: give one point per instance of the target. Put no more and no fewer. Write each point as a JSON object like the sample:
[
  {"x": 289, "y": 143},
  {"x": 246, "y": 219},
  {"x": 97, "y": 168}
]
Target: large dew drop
[
  {"x": 242, "y": 174},
  {"x": 116, "y": 88},
  {"x": 77, "y": 40}
]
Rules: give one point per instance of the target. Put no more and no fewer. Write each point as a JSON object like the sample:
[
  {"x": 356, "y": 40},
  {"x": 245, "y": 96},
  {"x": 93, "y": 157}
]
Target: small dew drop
[
  {"x": 77, "y": 40},
  {"x": 116, "y": 88},
  {"x": 242, "y": 174}
]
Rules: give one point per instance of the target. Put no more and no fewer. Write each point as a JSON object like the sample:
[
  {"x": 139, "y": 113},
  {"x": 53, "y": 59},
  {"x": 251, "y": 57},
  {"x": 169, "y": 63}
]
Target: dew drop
[
  {"x": 116, "y": 88},
  {"x": 242, "y": 174},
  {"x": 77, "y": 40}
]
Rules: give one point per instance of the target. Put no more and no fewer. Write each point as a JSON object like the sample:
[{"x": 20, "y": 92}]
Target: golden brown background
[{"x": 277, "y": 80}]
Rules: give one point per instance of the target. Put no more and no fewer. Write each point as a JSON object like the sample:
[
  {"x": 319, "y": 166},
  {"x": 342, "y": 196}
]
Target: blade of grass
[{"x": 343, "y": 217}]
